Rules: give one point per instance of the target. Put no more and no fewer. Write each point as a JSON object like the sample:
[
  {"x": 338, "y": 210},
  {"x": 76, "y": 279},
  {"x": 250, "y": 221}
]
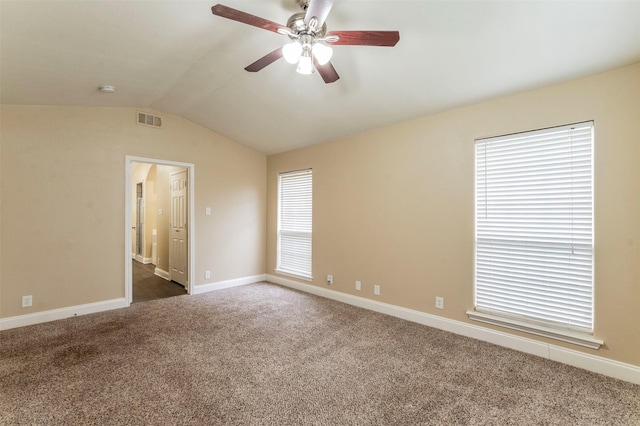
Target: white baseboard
[
  {"x": 205, "y": 288},
  {"x": 107, "y": 305},
  {"x": 61, "y": 313},
  {"x": 607, "y": 367},
  {"x": 162, "y": 274}
]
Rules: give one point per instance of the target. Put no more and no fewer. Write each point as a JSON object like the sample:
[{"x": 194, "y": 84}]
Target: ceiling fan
[{"x": 309, "y": 46}]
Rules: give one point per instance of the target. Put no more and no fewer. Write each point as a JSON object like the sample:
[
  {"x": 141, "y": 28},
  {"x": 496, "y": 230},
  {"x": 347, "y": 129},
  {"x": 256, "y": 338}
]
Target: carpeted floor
[{"x": 266, "y": 355}]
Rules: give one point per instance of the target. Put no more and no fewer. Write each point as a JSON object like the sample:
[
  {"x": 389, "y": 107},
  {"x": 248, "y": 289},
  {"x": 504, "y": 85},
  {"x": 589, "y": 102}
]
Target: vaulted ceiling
[{"x": 177, "y": 57}]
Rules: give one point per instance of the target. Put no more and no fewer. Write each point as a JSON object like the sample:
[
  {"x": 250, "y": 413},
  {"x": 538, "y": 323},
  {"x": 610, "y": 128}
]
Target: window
[
  {"x": 534, "y": 232},
  {"x": 294, "y": 223}
]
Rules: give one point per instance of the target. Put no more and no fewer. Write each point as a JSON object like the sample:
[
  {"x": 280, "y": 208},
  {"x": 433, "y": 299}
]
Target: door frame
[{"x": 128, "y": 246}]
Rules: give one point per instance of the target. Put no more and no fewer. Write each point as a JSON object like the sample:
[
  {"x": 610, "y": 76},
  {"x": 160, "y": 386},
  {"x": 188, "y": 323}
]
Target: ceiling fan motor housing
[{"x": 299, "y": 28}]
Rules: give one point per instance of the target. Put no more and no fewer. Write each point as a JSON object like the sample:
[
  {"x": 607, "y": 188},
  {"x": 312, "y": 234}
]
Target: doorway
[{"x": 147, "y": 242}]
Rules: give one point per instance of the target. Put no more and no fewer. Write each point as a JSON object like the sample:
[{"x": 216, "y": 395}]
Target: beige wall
[
  {"x": 63, "y": 215},
  {"x": 146, "y": 174},
  {"x": 139, "y": 174},
  {"x": 395, "y": 206},
  {"x": 150, "y": 210},
  {"x": 163, "y": 221}
]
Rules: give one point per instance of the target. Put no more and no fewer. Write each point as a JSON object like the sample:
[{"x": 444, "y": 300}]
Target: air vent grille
[{"x": 146, "y": 119}]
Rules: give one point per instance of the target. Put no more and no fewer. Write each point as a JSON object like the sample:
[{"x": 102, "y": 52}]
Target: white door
[{"x": 178, "y": 270}]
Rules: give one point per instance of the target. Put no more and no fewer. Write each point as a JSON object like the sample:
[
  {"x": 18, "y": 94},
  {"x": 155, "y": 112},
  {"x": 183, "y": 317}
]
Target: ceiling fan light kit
[{"x": 309, "y": 38}]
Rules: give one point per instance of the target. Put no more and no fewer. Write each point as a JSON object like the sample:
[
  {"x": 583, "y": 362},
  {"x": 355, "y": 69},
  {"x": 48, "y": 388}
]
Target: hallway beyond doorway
[{"x": 148, "y": 286}]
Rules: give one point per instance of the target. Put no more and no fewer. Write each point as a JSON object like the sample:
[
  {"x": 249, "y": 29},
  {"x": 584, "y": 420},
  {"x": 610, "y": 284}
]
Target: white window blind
[
  {"x": 534, "y": 226},
  {"x": 295, "y": 223}
]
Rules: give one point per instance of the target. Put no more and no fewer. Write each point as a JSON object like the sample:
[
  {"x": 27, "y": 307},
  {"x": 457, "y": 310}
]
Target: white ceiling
[{"x": 176, "y": 56}]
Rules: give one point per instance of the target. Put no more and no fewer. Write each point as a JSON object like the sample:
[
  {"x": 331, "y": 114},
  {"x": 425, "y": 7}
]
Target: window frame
[
  {"x": 513, "y": 317},
  {"x": 300, "y": 231}
]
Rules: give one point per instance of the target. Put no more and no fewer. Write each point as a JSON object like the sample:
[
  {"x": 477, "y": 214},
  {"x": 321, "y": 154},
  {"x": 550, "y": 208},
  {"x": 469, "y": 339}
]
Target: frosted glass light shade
[
  {"x": 322, "y": 53},
  {"x": 291, "y": 52},
  {"x": 305, "y": 66}
]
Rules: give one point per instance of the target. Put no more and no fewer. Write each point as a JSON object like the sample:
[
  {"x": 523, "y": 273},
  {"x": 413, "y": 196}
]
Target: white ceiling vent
[{"x": 149, "y": 120}]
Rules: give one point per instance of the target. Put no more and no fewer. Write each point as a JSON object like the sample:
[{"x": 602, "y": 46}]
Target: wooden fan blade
[
  {"x": 365, "y": 38},
  {"x": 267, "y": 59},
  {"x": 326, "y": 71},
  {"x": 320, "y": 9},
  {"x": 245, "y": 18}
]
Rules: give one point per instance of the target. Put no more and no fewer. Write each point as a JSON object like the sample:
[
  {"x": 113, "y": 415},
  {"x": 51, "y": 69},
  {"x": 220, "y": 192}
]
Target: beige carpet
[{"x": 266, "y": 355}]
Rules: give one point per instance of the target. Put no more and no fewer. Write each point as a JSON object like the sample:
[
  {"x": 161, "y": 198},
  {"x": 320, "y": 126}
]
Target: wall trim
[
  {"x": 61, "y": 313},
  {"x": 143, "y": 260},
  {"x": 162, "y": 273},
  {"x": 596, "y": 364},
  {"x": 205, "y": 288},
  {"x": 570, "y": 336},
  {"x": 108, "y": 305}
]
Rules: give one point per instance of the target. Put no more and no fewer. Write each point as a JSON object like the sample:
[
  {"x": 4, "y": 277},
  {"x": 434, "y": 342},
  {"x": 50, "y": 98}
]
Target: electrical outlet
[
  {"x": 27, "y": 301},
  {"x": 439, "y": 302},
  {"x": 329, "y": 279},
  {"x": 358, "y": 285},
  {"x": 207, "y": 275},
  {"x": 376, "y": 290}
]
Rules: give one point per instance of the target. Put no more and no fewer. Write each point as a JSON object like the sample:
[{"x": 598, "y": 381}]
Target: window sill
[
  {"x": 575, "y": 337},
  {"x": 294, "y": 275}
]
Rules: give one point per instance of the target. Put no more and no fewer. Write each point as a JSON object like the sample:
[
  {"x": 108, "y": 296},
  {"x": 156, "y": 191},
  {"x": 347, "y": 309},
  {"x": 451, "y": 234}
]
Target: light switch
[
  {"x": 207, "y": 211},
  {"x": 160, "y": 211}
]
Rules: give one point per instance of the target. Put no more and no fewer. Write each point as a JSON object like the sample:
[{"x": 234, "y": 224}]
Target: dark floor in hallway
[{"x": 148, "y": 286}]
